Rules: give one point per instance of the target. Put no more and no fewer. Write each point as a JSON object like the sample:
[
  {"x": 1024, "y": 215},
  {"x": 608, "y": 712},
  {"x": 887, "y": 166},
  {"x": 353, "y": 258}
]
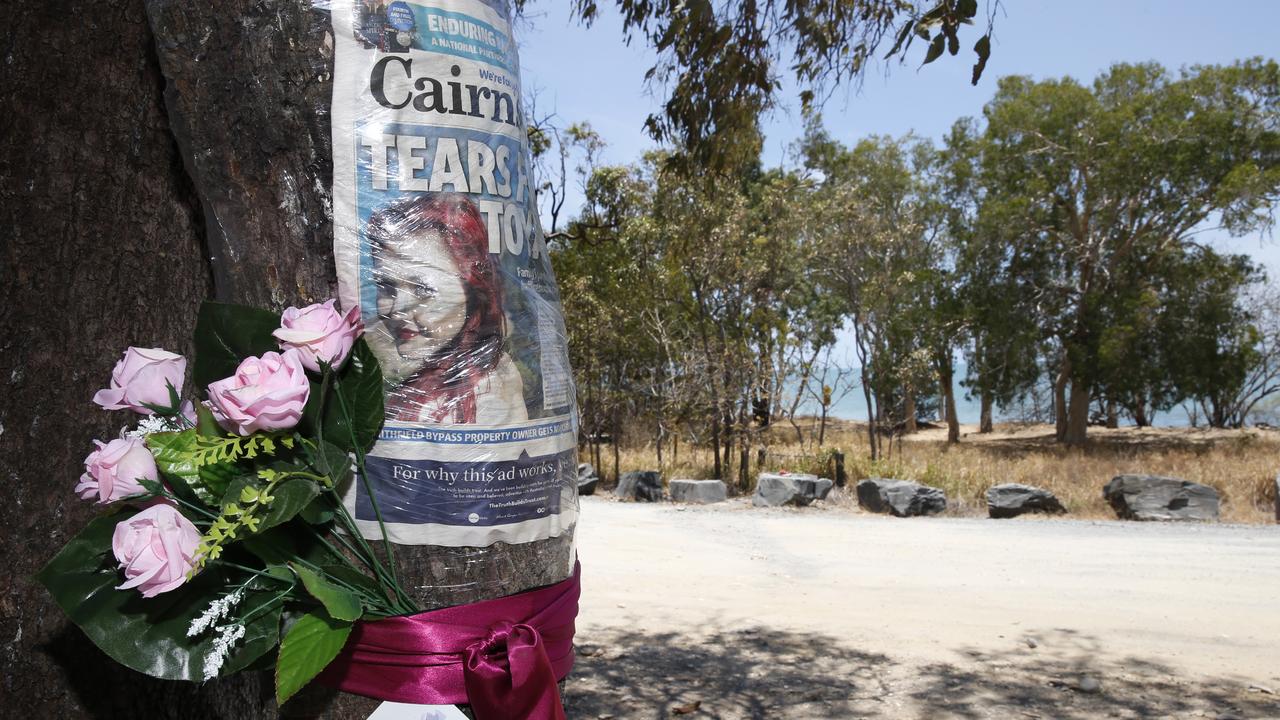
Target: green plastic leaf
[
  {"x": 309, "y": 646},
  {"x": 285, "y": 544},
  {"x": 206, "y": 424},
  {"x": 360, "y": 384},
  {"x": 329, "y": 459},
  {"x": 227, "y": 334},
  {"x": 290, "y": 497},
  {"x": 318, "y": 511},
  {"x": 354, "y": 578},
  {"x": 149, "y": 634},
  {"x": 174, "y": 454},
  {"x": 340, "y": 603}
]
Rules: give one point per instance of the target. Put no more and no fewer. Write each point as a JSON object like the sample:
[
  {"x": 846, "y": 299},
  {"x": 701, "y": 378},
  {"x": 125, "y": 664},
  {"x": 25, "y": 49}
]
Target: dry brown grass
[{"x": 1240, "y": 464}]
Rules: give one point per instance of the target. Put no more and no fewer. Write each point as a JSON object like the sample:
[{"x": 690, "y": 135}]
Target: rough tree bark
[
  {"x": 107, "y": 248},
  {"x": 101, "y": 249}
]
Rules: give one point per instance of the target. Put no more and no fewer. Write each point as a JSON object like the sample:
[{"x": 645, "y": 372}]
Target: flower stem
[{"x": 368, "y": 487}]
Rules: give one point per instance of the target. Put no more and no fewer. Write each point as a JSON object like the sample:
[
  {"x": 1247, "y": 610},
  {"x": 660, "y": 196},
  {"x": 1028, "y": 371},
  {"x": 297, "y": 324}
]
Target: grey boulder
[
  {"x": 640, "y": 485},
  {"x": 773, "y": 489},
  {"x": 1150, "y": 497},
  {"x": 698, "y": 491},
  {"x": 1013, "y": 499},
  {"x": 901, "y": 498},
  {"x": 588, "y": 478}
]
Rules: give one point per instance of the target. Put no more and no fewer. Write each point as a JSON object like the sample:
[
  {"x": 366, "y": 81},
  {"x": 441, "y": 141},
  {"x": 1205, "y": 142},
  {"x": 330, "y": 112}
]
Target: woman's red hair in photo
[{"x": 475, "y": 350}]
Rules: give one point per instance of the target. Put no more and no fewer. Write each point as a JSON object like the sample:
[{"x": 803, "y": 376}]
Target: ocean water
[{"x": 968, "y": 409}]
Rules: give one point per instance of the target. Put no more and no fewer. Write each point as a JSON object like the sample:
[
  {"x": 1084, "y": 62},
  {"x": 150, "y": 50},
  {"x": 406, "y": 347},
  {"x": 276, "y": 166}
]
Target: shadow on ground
[{"x": 762, "y": 673}]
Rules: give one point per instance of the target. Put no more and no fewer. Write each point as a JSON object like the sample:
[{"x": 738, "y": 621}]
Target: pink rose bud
[
  {"x": 266, "y": 393},
  {"x": 156, "y": 548},
  {"x": 319, "y": 333},
  {"x": 111, "y": 472},
  {"x": 143, "y": 375}
]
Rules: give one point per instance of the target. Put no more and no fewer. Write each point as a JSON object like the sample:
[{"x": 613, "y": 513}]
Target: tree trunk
[
  {"x": 1060, "y": 400},
  {"x": 715, "y": 439},
  {"x": 1078, "y": 415},
  {"x": 871, "y": 418},
  {"x": 984, "y": 418},
  {"x": 1113, "y": 415},
  {"x": 247, "y": 98},
  {"x": 949, "y": 399},
  {"x": 260, "y": 155},
  {"x": 909, "y": 412},
  {"x": 1140, "y": 415},
  {"x": 102, "y": 249},
  {"x": 822, "y": 426}
]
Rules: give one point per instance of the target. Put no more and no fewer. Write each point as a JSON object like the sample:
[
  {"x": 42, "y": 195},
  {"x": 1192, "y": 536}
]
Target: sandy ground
[{"x": 735, "y": 612}]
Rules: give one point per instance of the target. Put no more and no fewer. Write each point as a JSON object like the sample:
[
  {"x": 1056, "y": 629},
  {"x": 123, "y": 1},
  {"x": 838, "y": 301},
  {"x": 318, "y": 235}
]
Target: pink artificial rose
[
  {"x": 156, "y": 548},
  {"x": 143, "y": 375},
  {"x": 319, "y": 333},
  {"x": 111, "y": 472},
  {"x": 266, "y": 393}
]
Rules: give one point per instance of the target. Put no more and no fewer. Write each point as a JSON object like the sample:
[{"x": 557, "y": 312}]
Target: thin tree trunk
[
  {"x": 984, "y": 418},
  {"x": 1060, "y": 399},
  {"x": 1113, "y": 415},
  {"x": 1140, "y": 415},
  {"x": 617, "y": 453},
  {"x": 871, "y": 418},
  {"x": 715, "y": 438},
  {"x": 822, "y": 426},
  {"x": 949, "y": 400},
  {"x": 909, "y": 411}
]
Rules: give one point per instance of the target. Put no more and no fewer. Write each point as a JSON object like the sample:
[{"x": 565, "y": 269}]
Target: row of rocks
[
  {"x": 772, "y": 489},
  {"x": 1133, "y": 497}
]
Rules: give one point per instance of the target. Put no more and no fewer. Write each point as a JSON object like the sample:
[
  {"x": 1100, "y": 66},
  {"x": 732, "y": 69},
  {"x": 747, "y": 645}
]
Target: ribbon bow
[
  {"x": 503, "y": 657},
  {"x": 508, "y": 675}
]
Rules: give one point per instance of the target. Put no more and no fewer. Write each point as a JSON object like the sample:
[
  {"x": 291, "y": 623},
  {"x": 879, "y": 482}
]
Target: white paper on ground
[{"x": 405, "y": 711}]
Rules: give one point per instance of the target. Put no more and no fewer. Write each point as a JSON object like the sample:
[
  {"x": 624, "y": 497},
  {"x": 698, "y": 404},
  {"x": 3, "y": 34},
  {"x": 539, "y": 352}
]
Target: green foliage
[
  {"x": 149, "y": 635},
  {"x": 313, "y": 641},
  {"x": 191, "y": 470},
  {"x": 225, "y": 335},
  {"x": 358, "y": 395},
  {"x": 1085, "y": 202},
  {"x": 339, "y": 603},
  {"x": 719, "y": 64}
]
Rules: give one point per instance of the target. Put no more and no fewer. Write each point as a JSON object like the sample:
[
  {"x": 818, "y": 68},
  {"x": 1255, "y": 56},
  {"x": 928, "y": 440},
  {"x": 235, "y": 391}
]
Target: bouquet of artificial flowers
[{"x": 225, "y": 544}]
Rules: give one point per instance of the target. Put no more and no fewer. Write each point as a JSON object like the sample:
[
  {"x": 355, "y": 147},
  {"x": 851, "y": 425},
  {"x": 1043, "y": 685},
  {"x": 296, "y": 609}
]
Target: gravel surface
[{"x": 729, "y": 611}]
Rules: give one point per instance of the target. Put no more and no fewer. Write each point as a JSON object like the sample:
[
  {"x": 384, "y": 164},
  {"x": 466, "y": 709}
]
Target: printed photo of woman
[{"x": 440, "y": 330}]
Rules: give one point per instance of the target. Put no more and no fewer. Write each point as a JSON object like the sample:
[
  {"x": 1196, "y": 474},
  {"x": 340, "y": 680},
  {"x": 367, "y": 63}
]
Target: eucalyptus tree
[
  {"x": 1094, "y": 181},
  {"x": 884, "y": 258},
  {"x": 719, "y": 65}
]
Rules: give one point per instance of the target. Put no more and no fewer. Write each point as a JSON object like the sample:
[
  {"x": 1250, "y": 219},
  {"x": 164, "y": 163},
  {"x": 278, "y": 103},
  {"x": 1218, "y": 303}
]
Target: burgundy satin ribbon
[{"x": 503, "y": 657}]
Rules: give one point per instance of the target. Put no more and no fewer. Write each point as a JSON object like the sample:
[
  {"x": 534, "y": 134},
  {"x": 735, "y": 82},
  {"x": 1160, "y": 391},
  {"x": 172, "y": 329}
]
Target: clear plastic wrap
[{"x": 437, "y": 238}]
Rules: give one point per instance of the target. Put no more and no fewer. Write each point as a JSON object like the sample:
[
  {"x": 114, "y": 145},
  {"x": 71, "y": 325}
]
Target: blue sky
[{"x": 591, "y": 75}]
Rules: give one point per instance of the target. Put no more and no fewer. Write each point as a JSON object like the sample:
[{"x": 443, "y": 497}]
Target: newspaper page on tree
[{"x": 437, "y": 238}]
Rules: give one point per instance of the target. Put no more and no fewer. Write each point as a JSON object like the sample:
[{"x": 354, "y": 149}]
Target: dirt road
[{"x": 743, "y": 612}]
